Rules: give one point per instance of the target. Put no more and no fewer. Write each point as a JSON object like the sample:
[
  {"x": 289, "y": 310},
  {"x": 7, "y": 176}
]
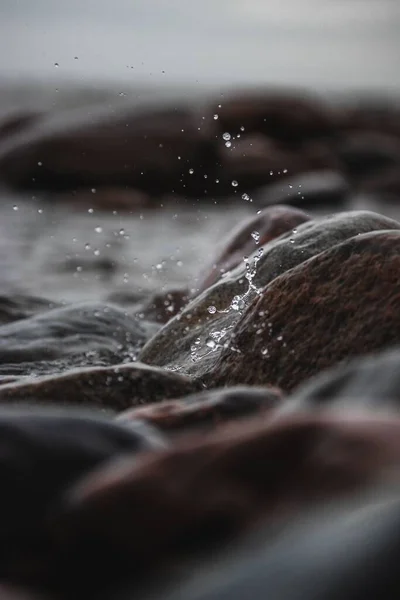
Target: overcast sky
[{"x": 313, "y": 42}]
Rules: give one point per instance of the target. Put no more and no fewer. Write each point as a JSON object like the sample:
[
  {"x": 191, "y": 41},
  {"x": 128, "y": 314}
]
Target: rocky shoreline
[{"x": 227, "y": 438}]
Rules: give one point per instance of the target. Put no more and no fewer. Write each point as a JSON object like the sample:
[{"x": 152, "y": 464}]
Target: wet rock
[
  {"x": 193, "y": 340},
  {"x": 206, "y": 410},
  {"x": 17, "y": 306},
  {"x": 307, "y": 560},
  {"x": 371, "y": 382},
  {"x": 365, "y": 154},
  {"x": 162, "y": 306},
  {"x": 116, "y": 387},
  {"x": 255, "y": 161},
  {"x": 386, "y": 185},
  {"x": 321, "y": 189},
  {"x": 42, "y": 453},
  {"x": 281, "y": 116},
  {"x": 373, "y": 117},
  {"x": 85, "y": 333},
  {"x": 147, "y": 149},
  {"x": 137, "y": 517},
  {"x": 337, "y": 305},
  {"x": 256, "y": 231}
]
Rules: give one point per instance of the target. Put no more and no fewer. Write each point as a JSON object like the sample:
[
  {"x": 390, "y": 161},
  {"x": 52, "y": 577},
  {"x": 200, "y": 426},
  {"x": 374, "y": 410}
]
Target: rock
[
  {"x": 307, "y": 560},
  {"x": 364, "y": 154},
  {"x": 193, "y": 340},
  {"x": 255, "y": 161},
  {"x": 320, "y": 189},
  {"x": 339, "y": 304},
  {"x": 116, "y": 387},
  {"x": 42, "y": 453},
  {"x": 84, "y": 333},
  {"x": 206, "y": 410},
  {"x": 148, "y": 149},
  {"x": 158, "y": 511},
  {"x": 371, "y": 117},
  {"x": 281, "y": 116},
  {"x": 266, "y": 226},
  {"x": 17, "y": 306},
  {"x": 162, "y": 306},
  {"x": 371, "y": 382},
  {"x": 385, "y": 185},
  {"x": 15, "y": 122}
]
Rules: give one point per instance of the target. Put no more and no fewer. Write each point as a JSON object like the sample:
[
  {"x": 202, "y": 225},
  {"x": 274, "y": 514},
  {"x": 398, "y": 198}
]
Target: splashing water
[{"x": 219, "y": 339}]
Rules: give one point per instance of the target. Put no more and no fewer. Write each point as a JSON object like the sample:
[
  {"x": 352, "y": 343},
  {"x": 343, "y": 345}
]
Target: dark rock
[
  {"x": 116, "y": 387},
  {"x": 255, "y": 161},
  {"x": 308, "y": 560},
  {"x": 85, "y": 333},
  {"x": 42, "y": 453},
  {"x": 141, "y": 516},
  {"x": 194, "y": 339},
  {"x": 370, "y": 382},
  {"x": 162, "y": 306},
  {"x": 386, "y": 184},
  {"x": 282, "y": 116},
  {"x": 365, "y": 154},
  {"x": 206, "y": 410},
  {"x": 321, "y": 189},
  {"x": 106, "y": 198},
  {"x": 17, "y": 121},
  {"x": 147, "y": 149},
  {"x": 268, "y": 225},
  {"x": 16, "y": 307},
  {"x": 339, "y": 304}
]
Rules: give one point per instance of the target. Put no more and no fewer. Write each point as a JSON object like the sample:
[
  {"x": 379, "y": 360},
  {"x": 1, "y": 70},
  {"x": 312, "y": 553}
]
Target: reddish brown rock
[
  {"x": 146, "y": 149},
  {"x": 281, "y": 116},
  {"x": 206, "y": 410},
  {"x": 385, "y": 184},
  {"x": 364, "y": 154},
  {"x": 341, "y": 303},
  {"x": 140, "y": 515},
  {"x": 161, "y": 307},
  {"x": 268, "y": 225},
  {"x": 17, "y": 121}
]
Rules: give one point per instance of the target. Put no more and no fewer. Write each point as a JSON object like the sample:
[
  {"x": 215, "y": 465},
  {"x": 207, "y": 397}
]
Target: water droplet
[
  {"x": 121, "y": 232},
  {"x": 15, "y": 207},
  {"x": 245, "y": 197},
  {"x": 256, "y": 236},
  {"x": 291, "y": 240},
  {"x": 215, "y": 117},
  {"x": 179, "y": 263},
  {"x": 242, "y": 128},
  {"x": 226, "y": 136},
  {"x": 98, "y": 229},
  {"x": 279, "y": 338},
  {"x": 40, "y": 163},
  {"x": 191, "y": 171},
  {"x": 235, "y": 183},
  {"x": 211, "y": 344},
  {"x": 259, "y": 212},
  {"x": 294, "y": 231},
  {"x": 87, "y": 246},
  {"x": 56, "y": 65},
  {"x": 90, "y": 210},
  {"x": 93, "y": 190},
  {"x": 212, "y": 310},
  {"x": 228, "y": 144},
  {"x": 264, "y": 351}
]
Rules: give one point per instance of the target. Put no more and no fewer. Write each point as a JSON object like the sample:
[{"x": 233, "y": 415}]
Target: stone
[
  {"x": 371, "y": 382},
  {"x": 339, "y": 304},
  {"x": 364, "y": 154},
  {"x": 318, "y": 189},
  {"x": 193, "y": 340},
  {"x": 243, "y": 241},
  {"x": 148, "y": 149},
  {"x": 42, "y": 453},
  {"x": 280, "y": 115},
  {"x": 115, "y": 387},
  {"x": 137, "y": 517},
  {"x": 206, "y": 410},
  {"x": 14, "y": 307},
  {"x": 86, "y": 333}
]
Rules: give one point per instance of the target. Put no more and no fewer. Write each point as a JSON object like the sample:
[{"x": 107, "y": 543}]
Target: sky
[{"x": 321, "y": 43}]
